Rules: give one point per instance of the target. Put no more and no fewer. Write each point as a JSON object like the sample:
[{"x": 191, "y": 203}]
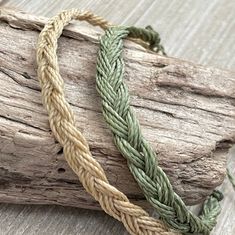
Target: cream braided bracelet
[{"x": 75, "y": 147}]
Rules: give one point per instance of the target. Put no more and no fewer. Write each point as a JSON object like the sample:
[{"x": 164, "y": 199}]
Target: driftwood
[{"x": 186, "y": 111}]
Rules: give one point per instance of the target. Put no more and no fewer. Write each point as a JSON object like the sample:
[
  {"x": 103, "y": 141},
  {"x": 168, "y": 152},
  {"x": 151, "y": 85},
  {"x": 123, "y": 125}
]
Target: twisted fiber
[
  {"x": 141, "y": 158},
  {"x": 149, "y": 36},
  {"x": 75, "y": 147}
]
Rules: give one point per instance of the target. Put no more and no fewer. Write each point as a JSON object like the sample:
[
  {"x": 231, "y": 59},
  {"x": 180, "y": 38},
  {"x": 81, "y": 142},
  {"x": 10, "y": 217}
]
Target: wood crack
[{"x": 185, "y": 134}]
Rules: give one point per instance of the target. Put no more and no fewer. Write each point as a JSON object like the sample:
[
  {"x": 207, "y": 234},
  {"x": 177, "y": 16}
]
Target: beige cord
[{"x": 75, "y": 147}]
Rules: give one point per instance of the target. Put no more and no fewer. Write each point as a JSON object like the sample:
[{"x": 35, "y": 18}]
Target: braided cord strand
[
  {"x": 75, "y": 147},
  {"x": 141, "y": 158}
]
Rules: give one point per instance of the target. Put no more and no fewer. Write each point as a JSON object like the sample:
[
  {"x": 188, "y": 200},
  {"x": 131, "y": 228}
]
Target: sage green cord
[
  {"x": 141, "y": 158},
  {"x": 148, "y": 35}
]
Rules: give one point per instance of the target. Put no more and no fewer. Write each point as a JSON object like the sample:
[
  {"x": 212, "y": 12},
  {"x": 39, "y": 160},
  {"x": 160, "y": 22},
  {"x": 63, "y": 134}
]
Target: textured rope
[
  {"x": 75, "y": 147},
  {"x": 141, "y": 158},
  {"x": 148, "y": 38}
]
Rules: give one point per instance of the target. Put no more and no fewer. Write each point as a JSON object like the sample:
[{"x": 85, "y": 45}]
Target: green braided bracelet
[{"x": 141, "y": 159}]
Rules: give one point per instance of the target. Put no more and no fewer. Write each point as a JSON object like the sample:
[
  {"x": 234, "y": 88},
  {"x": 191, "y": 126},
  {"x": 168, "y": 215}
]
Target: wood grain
[
  {"x": 187, "y": 112},
  {"x": 201, "y": 31}
]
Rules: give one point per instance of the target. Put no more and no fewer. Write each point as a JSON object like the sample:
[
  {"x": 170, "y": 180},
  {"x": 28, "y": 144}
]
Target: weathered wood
[{"x": 186, "y": 111}]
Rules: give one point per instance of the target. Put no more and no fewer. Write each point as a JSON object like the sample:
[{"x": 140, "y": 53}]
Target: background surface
[{"x": 202, "y": 31}]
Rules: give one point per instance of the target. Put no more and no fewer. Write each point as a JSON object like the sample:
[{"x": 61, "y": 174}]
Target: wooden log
[{"x": 186, "y": 111}]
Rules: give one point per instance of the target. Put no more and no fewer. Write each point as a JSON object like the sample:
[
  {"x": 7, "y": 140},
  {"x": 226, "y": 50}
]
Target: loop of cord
[
  {"x": 141, "y": 158},
  {"x": 75, "y": 147}
]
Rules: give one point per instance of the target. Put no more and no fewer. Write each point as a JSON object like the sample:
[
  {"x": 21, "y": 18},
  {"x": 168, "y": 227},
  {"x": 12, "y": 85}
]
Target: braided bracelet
[
  {"x": 75, "y": 147},
  {"x": 141, "y": 158}
]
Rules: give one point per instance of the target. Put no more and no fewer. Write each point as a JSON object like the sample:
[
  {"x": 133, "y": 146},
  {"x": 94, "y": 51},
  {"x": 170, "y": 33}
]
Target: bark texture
[{"x": 186, "y": 111}]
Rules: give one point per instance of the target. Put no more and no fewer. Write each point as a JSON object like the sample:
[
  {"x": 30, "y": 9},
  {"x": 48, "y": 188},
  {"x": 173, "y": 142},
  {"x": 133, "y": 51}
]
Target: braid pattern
[
  {"x": 141, "y": 158},
  {"x": 75, "y": 147}
]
